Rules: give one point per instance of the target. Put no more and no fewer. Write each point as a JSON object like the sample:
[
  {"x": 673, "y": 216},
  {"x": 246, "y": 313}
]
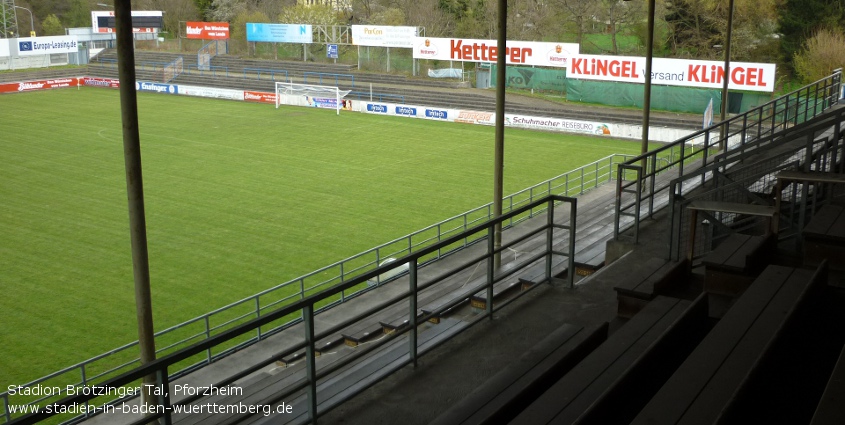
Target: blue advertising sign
[
  {"x": 155, "y": 87},
  {"x": 279, "y": 33},
  {"x": 436, "y": 113},
  {"x": 375, "y": 107},
  {"x": 331, "y": 51},
  {"x": 405, "y": 110}
]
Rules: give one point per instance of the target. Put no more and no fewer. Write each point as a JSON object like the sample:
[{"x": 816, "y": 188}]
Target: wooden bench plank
[
  {"x": 722, "y": 360},
  {"x": 648, "y": 279},
  {"x": 748, "y": 351},
  {"x": 575, "y": 392},
  {"x": 821, "y": 223},
  {"x": 733, "y": 208},
  {"x": 501, "y": 397},
  {"x": 811, "y": 176},
  {"x": 829, "y": 410},
  {"x": 725, "y": 250}
]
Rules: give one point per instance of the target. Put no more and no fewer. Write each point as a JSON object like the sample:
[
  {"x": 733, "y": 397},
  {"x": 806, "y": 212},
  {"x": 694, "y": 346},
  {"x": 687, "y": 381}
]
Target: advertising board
[
  {"x": 260, "y": 97},
  {"x": 557, "y": 124},
  {"x": 156, "y": 87},
  {"x": 383, "y": 36},
  {"x": 517, "y": 52},
  {"x": 211, "y": 92},
  {"x": 101, "y": 82},
  {"x": 23, "y": 86},
  {"x": 673, "y": 72},
  {"x": 31, "y": 46},
  {"x": 4, "y": 47},
  {"x": 279, "y": 33},
  {"x": 207, "y": 30}
]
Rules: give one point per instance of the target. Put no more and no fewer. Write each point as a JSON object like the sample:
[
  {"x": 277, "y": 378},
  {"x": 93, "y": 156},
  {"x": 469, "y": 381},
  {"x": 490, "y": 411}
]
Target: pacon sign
[
  {"x": 207, "y": 30},
  {"x": 516, "y": 52},
  {"x": 673, "y": 72}
]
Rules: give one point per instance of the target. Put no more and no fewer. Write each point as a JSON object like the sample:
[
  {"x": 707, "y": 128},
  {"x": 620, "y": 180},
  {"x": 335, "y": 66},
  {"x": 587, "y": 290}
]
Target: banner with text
[
  {"x": 38, "y": 85},
  {"x": 207, "y": 30},
  {"x": 260, "y": 97},
  {"x": 517, "y": 52},
  {"x": 383, "y": 36},
  {"x": 673, "y": 72},
  {"x": 101, "y": 82},
  {"x": 210, "y": 92},
  {"x": 279, "y": 33},
  {"x": 31, "y": 46}
]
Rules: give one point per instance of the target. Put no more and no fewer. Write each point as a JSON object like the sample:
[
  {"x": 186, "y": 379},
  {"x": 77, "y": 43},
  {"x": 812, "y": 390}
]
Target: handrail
[
  {"x": 272, "y": 73},
  {"x": 306, "y": 307},
  {"x": 735, "y": 133},
  {"x": 572, "y": 183},
  {"x": 336, "y": 77}
]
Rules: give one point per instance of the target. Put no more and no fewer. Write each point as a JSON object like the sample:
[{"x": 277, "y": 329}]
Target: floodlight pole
[
  {"x": 135, "y": 193},
  {"x": 499, "y": 160},
  {"x": 726, "y": 80},
  {"x": 31, "y": 22}
]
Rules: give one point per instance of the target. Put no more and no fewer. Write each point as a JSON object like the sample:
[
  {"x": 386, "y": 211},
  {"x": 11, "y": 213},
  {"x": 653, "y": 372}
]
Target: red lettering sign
[
  {"x": 260, "y": 97},
  {"x": 207, "y": 30}
]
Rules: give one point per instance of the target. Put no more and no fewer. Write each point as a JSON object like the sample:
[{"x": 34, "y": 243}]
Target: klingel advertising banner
[
  {"x": 279, "y": 33},
  {"x": 517, "y": 52},
  {"x": 673, "y": 72},
  {"x": 383, "y": 36},
  {"x": 32, "y": 46}
]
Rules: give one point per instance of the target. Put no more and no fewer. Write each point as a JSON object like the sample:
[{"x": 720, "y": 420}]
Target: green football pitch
[{"x": 239, "y": 197}]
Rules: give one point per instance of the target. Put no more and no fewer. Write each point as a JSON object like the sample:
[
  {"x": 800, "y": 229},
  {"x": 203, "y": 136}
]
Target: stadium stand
[{"x": 773, "y": 355}]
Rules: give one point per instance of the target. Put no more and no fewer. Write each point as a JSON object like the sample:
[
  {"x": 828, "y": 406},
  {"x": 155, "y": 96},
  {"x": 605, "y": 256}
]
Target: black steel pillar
[
  {"x": 135, "y": 189},
  {"x": 499, "y": 160},
  {"x": 724, "y": 112}
]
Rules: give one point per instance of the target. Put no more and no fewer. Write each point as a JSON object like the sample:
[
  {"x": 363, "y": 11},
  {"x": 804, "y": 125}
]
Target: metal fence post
[
  {"x": 412, "y": 318},
  {"x": 549, "y": 236},
  {"x": 7, "y": 414},
  {"x": 310, "y": 362},
  {"x": 207, "y": 335},
  {"x": 490, "y": 271},
  {"x": 164, "y": 387},
  {"x": 573, "y": 208},
  {"x": 257, "y": 315}
]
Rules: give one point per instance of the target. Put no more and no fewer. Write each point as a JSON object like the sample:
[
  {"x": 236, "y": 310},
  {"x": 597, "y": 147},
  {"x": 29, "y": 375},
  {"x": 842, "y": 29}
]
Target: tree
[
  {"x": 799, "y": 19},
  {"x": 52, "y": 26},
  {"x": 616, "y": 14},
  {"x": 226, "y": 10},
  {"x": 580, "y": 14},
  {"x": 820, "y": 55},
  {"x": 314, "y": 15}
]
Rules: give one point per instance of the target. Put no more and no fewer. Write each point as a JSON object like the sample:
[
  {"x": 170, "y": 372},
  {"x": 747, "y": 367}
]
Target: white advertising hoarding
[
  {"x": 517, "y": 52},
  {"x": 383, "y": 36},
  {"x": 4, "y": 47},
  {"x": 31, "y": 46},
  {"x": 673, "y": 72}
]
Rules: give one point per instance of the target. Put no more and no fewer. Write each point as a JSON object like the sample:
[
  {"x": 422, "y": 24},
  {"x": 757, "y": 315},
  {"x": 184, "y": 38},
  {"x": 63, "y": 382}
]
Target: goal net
[{"x": 309, "y": 95}]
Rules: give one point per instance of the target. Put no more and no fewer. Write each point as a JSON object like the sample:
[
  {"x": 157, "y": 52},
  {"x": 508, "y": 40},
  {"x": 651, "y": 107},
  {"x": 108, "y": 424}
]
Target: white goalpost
[{"x": 309, "y": 95}]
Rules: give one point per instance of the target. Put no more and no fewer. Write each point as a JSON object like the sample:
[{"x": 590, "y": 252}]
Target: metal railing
[
  {"x": 305, "y": 309},
  {"x": 635, "y": 196},
  {"x": 214, "y": 70},
  {"x": 377, "y": 97},
  {"x": 271, "y": 72},
  {"x": 572, "y": 183},
  {"x": 328, "y": 77}
]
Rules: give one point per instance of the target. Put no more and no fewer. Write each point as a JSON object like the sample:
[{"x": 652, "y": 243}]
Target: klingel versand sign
[{"x": 673, "y": 72}]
